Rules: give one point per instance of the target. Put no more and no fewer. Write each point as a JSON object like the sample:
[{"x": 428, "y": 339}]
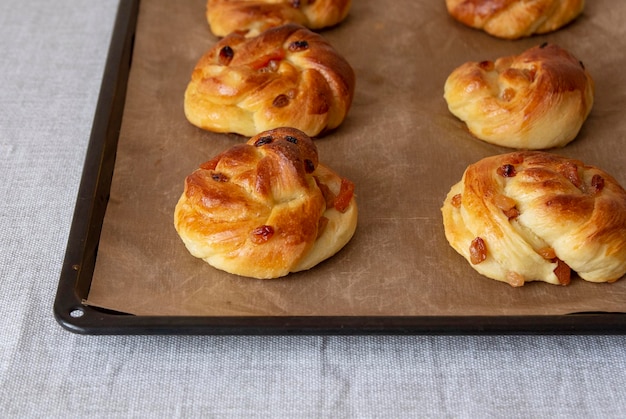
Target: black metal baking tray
[{"x": 82, "y": 251}]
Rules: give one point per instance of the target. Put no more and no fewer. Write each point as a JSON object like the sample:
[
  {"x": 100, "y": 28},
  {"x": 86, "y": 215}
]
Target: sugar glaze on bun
[
  {"x": 251, "y": 17},
  {"x": 287, "y": 76},
  {"x": 266, "y": 208},
  {"x": 536, "y": 100},
  {"x": 513, "y": 19},
  {"x": 535, "y": 216}
]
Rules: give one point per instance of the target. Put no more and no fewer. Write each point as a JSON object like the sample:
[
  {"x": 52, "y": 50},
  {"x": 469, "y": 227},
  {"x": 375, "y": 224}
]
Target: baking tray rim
[{"x": 74, "y": 315}]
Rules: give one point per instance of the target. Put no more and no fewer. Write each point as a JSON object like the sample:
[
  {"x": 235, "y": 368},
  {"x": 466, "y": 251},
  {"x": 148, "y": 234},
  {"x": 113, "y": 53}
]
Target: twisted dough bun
[
  {"x": 533, "y": 216},
  {"x": 266, "y": 208},
  {"x": 536, "y": 100},
  {"x": 512, "y": 19},
  {"x": 251, "y": 17},
  {"x": 287, "y": 76}
]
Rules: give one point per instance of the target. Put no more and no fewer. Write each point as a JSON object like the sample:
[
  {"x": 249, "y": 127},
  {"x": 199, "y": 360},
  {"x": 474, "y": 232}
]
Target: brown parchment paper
[{"x": 399, "y": 144}]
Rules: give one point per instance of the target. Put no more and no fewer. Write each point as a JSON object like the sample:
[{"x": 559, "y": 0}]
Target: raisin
[
  {"x": 281, "y": 101},
  {"x": 262, "y": 234},
  {"x": 547, "y": 253},
  {"x": 298, "y": 46},
  {"x": 478, "y": 251},
  {"x": 456, "y": 200},
  {"x": 507, "y": 170},
  {"x": 291, "y": 139},
  {"x": 226, "y": 54},
  {"x": 309, "y": 167},
  {"x": 514, "y": 279},
  {"x": 512, "y": 213},
  {"x": 597, "y": 183},
  {"x": 219, "y": 177},
  {"x": 263, "y": 140},
  {"x": 562, "y": 272},
  {"x": 508, "y": 94},
  {"x": 486, "y": 65},
  {"x": 504, "y": 202}
]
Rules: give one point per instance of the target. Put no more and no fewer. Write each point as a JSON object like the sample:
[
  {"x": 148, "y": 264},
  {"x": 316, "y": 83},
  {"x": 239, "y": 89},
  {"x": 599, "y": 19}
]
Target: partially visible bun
[
  {"x": 251, "y": 17},
  {"x": 287, "y": 76},
  {"x": 266, "y": 208},
  {"x": 536, "y": 100},
  {"x": 533, "y": 216},
  {"x": 512, "y": 19}
]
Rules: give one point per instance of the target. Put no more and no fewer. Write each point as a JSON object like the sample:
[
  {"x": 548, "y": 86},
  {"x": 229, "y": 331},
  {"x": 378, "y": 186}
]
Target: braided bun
[
  {"x": 536, "y": 100},
  {"x": 266, "y": 208},
  {"x": 512, "y": 19},
  {"x": 533, "y": 216},
  {"x": 251, "y": 17},
  {"x": 287, "y": 76}
]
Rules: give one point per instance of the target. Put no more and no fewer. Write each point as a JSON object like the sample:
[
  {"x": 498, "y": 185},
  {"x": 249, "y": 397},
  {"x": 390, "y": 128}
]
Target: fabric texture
[{"x": 53, "y": 55}]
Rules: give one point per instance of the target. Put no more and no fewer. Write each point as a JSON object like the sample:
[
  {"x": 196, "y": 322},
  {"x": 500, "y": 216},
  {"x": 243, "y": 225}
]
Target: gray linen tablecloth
[{"x": 51, "y": 64}]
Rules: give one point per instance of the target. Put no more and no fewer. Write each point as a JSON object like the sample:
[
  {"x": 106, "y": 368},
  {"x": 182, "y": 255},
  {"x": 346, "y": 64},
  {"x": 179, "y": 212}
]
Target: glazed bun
[
  {"x": 536, "y": 100},
  {"x": 251, "y": 17},
  {"x": 512, "y": 19},
  {"x": 287, "y": 76},
  {"x": 533, "y": 216},
  {"x": 266, "y": 208}
]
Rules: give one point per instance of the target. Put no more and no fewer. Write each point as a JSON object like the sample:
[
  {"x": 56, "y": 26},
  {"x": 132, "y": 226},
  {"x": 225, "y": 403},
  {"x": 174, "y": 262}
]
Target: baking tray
[{"x": 74, "y": 313}]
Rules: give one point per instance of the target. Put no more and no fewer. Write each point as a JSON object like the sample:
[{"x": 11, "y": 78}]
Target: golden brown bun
[
  {"x": 266, "y": 208},
  {"x": 512, "y": 19},
  {"x": 251, "y": 17},
  {"x": 287, "y": 76},
  {"x": 536, "y": 100},
  {"x": 535, "y": 214}
]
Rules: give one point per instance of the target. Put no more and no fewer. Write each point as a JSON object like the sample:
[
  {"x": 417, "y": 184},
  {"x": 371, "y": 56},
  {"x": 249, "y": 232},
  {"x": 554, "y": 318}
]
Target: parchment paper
[{"x": 399, "y": 144}]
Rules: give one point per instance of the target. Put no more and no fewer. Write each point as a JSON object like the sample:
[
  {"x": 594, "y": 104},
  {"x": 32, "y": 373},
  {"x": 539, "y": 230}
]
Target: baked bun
[
  {"x": 266, "y": 208},
  {"x": 512, "y": 19},
  {"x": 536, "y": 100},
  {"x": 252, "y": 17},
  {"x": 287, "y": 76},
  {"x": 533, "y": 216}
]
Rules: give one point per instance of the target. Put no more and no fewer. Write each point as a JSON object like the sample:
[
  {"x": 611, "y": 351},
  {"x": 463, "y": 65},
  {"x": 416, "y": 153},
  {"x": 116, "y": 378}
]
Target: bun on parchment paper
[
  {"x": 287, "y": 76},
  {"x": 513, "y": 19},
  {"x": 536, "y": 100},
  {"x": 266, "y": 208},
  {"x": 535, "y": 216},
  {"x": 251, "y": 17}
]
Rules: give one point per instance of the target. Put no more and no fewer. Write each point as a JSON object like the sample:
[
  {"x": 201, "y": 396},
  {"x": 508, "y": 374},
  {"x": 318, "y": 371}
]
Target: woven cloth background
[{"x": 51, "y": 63}]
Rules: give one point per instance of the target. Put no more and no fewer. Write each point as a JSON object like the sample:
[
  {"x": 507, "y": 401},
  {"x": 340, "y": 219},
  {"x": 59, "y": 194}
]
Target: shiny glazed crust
[
  {"x": 266, "y": 208},
  {"x": 536, "y": 100},
  {"x": 251, "y": 17},
  {"x": 512, "y": 19},
  {"x": 536, "y": 215},
  {"x": 287, "y": 76}
]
